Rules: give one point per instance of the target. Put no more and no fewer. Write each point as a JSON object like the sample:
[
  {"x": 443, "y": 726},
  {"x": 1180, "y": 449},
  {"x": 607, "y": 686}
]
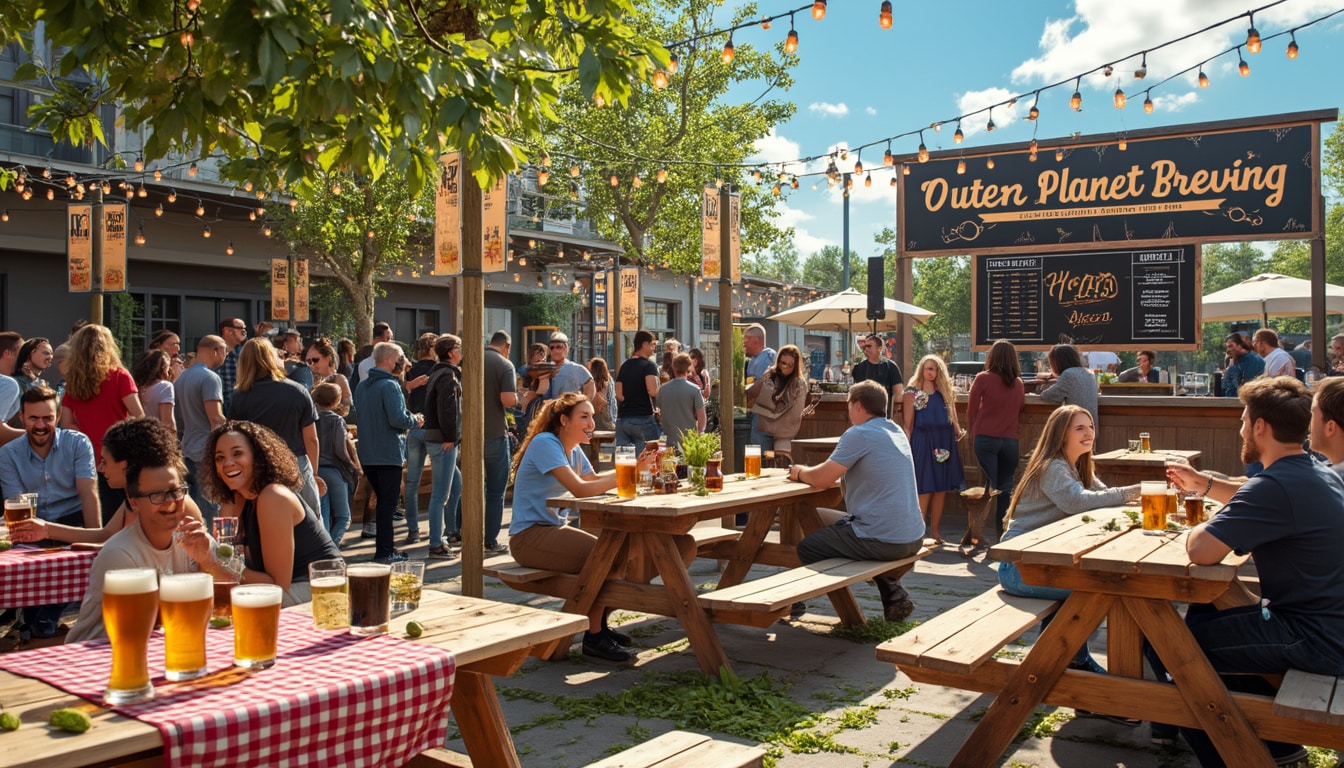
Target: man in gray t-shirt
[
  {"x": 501, "y": 391},
  {"x": 199, "y": 395},
  {"x": 884, "y": 522},
  {"x": 680, "y": 402}
]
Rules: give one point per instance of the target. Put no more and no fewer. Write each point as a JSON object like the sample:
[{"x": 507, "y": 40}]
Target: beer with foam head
[
  {"x": 17, "y": 509},
  {"x": 130, "y": 606},
  {"x": 751, "y": 461},
  {"x": 370, "y": 598},
  {"x": 627, "y": 471},
  {"x": 186, "y": 601},
  {"x": 1154, "y": 505},
  {"x": 256, "y": 624}
]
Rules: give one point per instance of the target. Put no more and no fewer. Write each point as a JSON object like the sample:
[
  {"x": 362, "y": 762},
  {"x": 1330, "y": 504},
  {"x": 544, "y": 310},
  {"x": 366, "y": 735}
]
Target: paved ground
[{"x": 839, "y": 707}]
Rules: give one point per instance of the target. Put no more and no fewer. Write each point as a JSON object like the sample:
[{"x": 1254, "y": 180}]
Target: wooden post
[
  {"x": 96, "y": 260},
  {"x": 905, "y": 340},
  {"x": 728, "y": 381},
  {"x": 472, "y": 299},
  {"x": 1320, "y": 345}
]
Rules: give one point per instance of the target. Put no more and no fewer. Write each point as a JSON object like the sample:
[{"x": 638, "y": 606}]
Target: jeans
[
  {"x": 767, "y": 442},
  {"x": 208, "y": 508},
  {"x": 636, "y": 430},
  {"x": 308, "y": 493},
  {"x": 385, "y": 481},
  {"x": 497, "y": 462},
  {"x": 998, "y": 457},
  {"x": 415, "y": 464},
  {"x": 1011, "y": 581},
  {"x": 336, "y": 504},
  {"x": 840, "y": 540},
  {"x": 1248, "y": 639},
  {"x": 447, "y": 492}
]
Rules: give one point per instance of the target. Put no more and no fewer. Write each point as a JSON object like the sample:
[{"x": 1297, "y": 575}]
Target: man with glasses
[
  {"x": 569, "y": 376},
  {"x": 57, "y": 465},
  {"x": 157, "y": 496},
  {"x": 234, "y": 332},
  {"x": 878, "y": 368}
]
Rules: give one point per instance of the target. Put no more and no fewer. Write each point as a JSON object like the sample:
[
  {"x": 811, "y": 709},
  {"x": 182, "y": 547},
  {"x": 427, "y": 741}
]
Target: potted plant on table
[{"x": 697, "y": 448}]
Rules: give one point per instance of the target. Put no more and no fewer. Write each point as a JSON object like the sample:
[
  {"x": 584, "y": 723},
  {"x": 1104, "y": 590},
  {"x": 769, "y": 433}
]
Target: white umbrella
[
  {"x": 839, "y": 311},
  {"x": 1268, "y": 294}
]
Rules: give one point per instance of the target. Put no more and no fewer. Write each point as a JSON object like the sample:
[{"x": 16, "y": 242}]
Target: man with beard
[
  {"x": 1290, "y": 517},
  {"x": 56, "y": 464}
]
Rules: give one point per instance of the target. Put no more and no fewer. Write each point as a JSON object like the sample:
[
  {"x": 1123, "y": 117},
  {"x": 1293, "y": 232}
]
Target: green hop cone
[
  {"x": 9, "y": 721},
  {"x": 414, "y": 629},
  {"x": 71, "y": 720},
  {"x": 224, "y": 552},
  {"x": 5, "y": 544}
]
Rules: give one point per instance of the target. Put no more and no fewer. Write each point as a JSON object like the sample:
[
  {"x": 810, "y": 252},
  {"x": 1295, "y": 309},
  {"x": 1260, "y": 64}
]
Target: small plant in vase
[{"x": 697, "y": 448}]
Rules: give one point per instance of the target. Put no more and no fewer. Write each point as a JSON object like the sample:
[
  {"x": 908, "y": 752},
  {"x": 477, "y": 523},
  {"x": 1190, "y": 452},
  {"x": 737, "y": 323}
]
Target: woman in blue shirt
[{"x": 548, "y": 464}]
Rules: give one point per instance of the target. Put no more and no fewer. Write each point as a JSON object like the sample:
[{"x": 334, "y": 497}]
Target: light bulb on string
[
  {"x": 793, "y": 184},
  {"x": 775, "y": 190},
  {"x": 200, "y": 208},
  {"x": 868, "y": 180},
  {"x": 1032, "y": 146},
  {"x": 1203, "y": 78},
  {"x": 130, "y": 193},
  {"x": 923, "y": 150},
  {"x": 858, "y": 165},
  {"x": 158, "y": 175},
  {"x": 1034, "y": 112},
  {"x": 206, "y": 232},
  {"x": 990, "y": 163},
  {"x": 543, "y": 177},
  {"x": 884, "y": 15},
  {"x": 1253, "y": 36},
  {"x": 659, "y": 79},
  {"x": 1292, "y": 45},
  {"x": 958, "y": 136},
  {"x": 765, "y": 23},
  {"x": 1076, "y": 101},
  {"x": 636, "y": 181},
  {"x": 1147, "y": 103},
  {"x": 1242, "y": 66},
  {"x": 791, "y": 41},
  {"x": 4, "y": 215},
  {"x": 905, "y": 169},
  {"x": 1059, "y": 155},
  {"x": 140, "y": 234},
  {"x": 819, "y": 9},
  {"x": 599, "y": 100},
  {"x": 615, "y": 181},
  {"x": 139, "y": 163},
  {"x": 192, "y": 170},
  {"x": 893, "y": 180},
  {"x": 961, "y": 167},
  {"x": 673, "y": 64},
  {"x": 159, "y": 210},
  {"x": 229, "y": 250},
  {"x": 265, "y": 230},
  {"x": 1142, "y": 71},
  {"x": 728, "y": 50},
  {"x": 887, "y": 159},
  {"x": 574, "y": 171},
  {"x": 662, "y": 174},
  {"x": 172, "y": 196},
  {"x": 1120, "y": 100},
  {"x": 1123, "y": 143},
  {"x": 51, "y": 194},
  {"x": 141, "y": 192},
  {"x": 27, "y": 194},
  {"x": 989, "y": 127}
]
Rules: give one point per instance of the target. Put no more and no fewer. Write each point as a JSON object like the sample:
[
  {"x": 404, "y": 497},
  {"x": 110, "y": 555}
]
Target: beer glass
[
  {"x": 408, "y": 580},
  {"x": 130, "y": 605},
  {"x": 751, "y": 461},
  {"x": 256, "y": 624},
  {"x": 223, "y": 603},
  {"x": 186, "y": 601},
  {"x": 1194, "y": 509},
  {"x": 370, "y": 598},
  {"x": 331, "y": 594},
  {"x": 1145, "y": 442},
  {"x": 1154, "y": 505},
  {"x": 224, "y": 529},
  {"x": 626, "y": 471},
  {"x": 17, "y": 508}
]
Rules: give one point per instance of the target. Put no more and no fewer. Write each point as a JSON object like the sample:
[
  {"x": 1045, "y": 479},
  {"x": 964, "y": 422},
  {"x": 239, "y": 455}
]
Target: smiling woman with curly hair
[{"x": 254, "y": 478}]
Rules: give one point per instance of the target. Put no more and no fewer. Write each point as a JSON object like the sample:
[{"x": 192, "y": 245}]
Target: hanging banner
[
  {"x": 280, "y": 289},
  {"x": 300, "y": 290},
  {"x": 735, "y": 236},
  {"x": 112, "y": 244},
  {"x": 1224, "y": 181},
  {"x": 601, "y": 305},
  {"x": 709, "y": 235},
  {"x": 448, "y": 218},
  {"x": 79, "y": 247},
  {"x": 630, "y": 299},
  {"x": 495, "y": 227}
]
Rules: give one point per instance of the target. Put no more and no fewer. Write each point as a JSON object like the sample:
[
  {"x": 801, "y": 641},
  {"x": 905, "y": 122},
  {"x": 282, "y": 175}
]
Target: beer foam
[
  {"x": 367, "y": 570},
  {"x": 327, "y": 582},
  {"x": 256, "y": 595},
  {"x": 130, "y": 581},
  {"x": 186, "y": 587}
]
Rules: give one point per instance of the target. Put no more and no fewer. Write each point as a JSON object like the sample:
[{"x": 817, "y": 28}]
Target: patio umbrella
[
  {"x": 838, "y": 312},
  {"x": 1268, "y": 294}
]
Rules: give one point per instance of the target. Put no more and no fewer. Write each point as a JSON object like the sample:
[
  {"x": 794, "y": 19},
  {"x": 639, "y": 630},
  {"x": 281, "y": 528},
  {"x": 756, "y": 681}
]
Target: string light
[
  {"x": 1147, "y": 103},
  {"x": 4, "y": 215},
  {"x": 1292, "y": 45},
  {"x": 868, "y": 180},
  {"x": 1076, "y": 101},
  {"x": 1120, "y": 100},
  {"x": 192, "y": 170},
  {"x": 989, "y": 127},
  {"x": 659, "y": 79},
  {"x": 159, "y": 210},
  {"x": 172, "y": 196},
  {"x": 1242, "y": 66},
  {"x": 140, "y": 234},
  {"x": 819, "y": 10},
  {"x": 1142, "y": 71},
  {"x": 858, "y": 165},
  {"x": 200, "y": 208},
  {"x": 206, "y": 232},
  {"x": 574, "y": 171},
  {"x": 923, "y": 150},
  {"x": 673, "y": 65},
  {"x": 1252, "y": 36},
  {"x": 229, "y": 251},
  {"x": 958, "y": 136},
  {"x": 728, "y": 51},
  {"x": 1123, "y": 143},
  {"x": 662, "y": 174},
  {"x": 884, "y": 15},
  {"x": 990, "y": 164},
  {"x": 791, "y": 41},
  {"x": 1034, "y": 112},
  {"x": 961, "y": 166},
  {"x": 1203, "y": 78}
]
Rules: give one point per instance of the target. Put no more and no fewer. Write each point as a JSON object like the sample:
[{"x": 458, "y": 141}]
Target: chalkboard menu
[{"x": 1104, "y": 299}]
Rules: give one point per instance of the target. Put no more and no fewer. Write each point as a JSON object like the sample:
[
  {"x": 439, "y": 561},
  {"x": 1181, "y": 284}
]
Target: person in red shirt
[{"x": 993, "y": 410}]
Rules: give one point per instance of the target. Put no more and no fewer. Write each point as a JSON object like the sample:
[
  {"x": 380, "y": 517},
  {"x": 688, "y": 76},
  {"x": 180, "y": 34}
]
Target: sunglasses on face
[{"x": 314, "y": 360}]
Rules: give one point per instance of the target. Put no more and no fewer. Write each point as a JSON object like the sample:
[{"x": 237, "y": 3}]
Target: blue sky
[{"x": 856, "y": 83}]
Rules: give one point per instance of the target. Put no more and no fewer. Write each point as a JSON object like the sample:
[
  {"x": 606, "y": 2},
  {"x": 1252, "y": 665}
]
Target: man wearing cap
[{"x": 569, "y": 376}]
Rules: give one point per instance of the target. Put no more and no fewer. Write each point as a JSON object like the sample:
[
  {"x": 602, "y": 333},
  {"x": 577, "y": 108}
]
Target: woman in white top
[{"x": 153, "y": 376}]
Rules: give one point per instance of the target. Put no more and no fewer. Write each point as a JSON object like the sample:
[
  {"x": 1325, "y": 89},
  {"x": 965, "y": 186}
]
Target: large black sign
[
  {"x": 1239, "y": 185},
  {"x": 1115, "y": 300}
]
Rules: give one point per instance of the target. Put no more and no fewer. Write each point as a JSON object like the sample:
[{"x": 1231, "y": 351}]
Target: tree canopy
[{"x": 283, "y": 91}]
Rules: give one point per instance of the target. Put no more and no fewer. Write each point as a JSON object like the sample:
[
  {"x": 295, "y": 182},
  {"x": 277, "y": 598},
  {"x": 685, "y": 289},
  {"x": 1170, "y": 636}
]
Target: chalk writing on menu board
[{"x": 1114, "y": 299}]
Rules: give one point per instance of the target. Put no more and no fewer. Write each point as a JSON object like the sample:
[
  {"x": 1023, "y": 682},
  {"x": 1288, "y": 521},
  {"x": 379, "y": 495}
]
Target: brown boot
[{"x": 896, "y": 604}]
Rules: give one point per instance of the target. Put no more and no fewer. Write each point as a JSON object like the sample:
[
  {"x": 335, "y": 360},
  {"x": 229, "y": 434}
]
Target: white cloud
[
  {"x": 870, "y": 110},
  {"x": 786, "y": 216},
  {"x": 808, "y": 244},
  {"x": 973, "y": 101},
  {"x": 778, "y": 151},
  {"x": 826, "y": 109},
  {"x": 1174, "y": 103}
]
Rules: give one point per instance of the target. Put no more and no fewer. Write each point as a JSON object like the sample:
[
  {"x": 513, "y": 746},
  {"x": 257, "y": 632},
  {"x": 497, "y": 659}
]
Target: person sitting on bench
[{"x": 884, "y": 522}]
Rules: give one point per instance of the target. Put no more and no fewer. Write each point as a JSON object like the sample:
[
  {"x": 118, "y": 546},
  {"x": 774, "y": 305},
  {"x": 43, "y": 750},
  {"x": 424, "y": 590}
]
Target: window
[
  {"x": 409, "y": 322},
  {"x": 709, "y": 320},
  {"x": 660, "y": 317}
]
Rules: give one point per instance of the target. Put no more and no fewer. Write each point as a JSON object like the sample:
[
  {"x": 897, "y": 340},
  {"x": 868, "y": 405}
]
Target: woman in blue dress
[{"x": 930, "y": 416}]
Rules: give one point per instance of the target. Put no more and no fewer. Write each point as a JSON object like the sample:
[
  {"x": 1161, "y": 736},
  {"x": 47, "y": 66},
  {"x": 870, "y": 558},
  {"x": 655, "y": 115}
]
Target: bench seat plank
[
  {"x": 1307, "y": 696},
  {"x": 508, "y": 570},
  {"x": 962, "y": 639},
  {"x": 706, "y": 535},
  {"x": 680, "y": 749},
  {"x": 782, "y": 589}
]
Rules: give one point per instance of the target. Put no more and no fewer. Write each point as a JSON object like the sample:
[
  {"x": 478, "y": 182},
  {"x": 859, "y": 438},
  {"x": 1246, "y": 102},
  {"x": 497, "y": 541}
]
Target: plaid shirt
[{"x": 228, "y": 376}]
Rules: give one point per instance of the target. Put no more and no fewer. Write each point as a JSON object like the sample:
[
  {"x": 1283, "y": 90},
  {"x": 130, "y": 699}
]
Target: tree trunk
[{"x": 361, "y": 305}]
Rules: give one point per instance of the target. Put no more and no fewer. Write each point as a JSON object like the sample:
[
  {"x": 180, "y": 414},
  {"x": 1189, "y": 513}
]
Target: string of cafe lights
[{"x": 784, "y": 179}]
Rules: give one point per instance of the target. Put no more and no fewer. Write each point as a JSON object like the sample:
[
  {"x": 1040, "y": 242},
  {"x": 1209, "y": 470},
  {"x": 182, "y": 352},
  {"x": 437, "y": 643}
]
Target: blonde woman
[
  {"x": 930, "y": 419},
  {"x": 99, "y": 392}
]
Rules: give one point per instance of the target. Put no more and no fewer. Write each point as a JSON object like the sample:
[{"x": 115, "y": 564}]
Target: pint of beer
[
  {"x": 130, "y": 605},
  {"x": 331, "y": 594},
  {"x": 223, "y": 603},
  {"x": 1154, "y": 501},
  {"x": 370, "y": 598},
  {"x": 256, "y": 624},
  {"x": 751, "y": 460},
  {"x": 1194, "y": 510},
  {"x": 17, "y": 508},
  {"x": 627, "y": 471},
  {"x": 186, "y": 601}
]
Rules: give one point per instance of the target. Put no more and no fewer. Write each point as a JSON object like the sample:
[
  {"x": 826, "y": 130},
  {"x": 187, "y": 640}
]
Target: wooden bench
[
  {"x": 777, "y": 592},
  {"x": 1310, "y": 697},
  {"x": 674, "y": 749},
  {"x": 963, "y": 638},
  {"x": 509, "y": 571}
]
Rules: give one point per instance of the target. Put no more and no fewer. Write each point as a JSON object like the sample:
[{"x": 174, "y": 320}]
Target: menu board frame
[{"x": 1104, "y": 299}]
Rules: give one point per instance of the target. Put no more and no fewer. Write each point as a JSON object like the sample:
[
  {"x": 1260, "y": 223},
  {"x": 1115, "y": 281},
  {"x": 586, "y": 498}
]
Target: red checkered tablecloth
[
  {"x": 39, "y": 577},
  {"x": 331, "y": 699}
]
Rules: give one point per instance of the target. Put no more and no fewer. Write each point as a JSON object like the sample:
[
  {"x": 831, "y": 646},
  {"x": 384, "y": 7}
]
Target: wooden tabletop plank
[
  {"x": 1123, "y": 457},
  {"x": 1064, "y": 541},
  {"x": 772, "y": 487},
  {"x": 1122, "y": 553}
]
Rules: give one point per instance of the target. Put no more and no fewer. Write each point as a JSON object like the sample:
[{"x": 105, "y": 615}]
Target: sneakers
[
  {"x": 1090, "y": 665},
  {"x": 441, "y": 553},
  {"x": 370, "y": 531},
  {"x": 620, "y": 638},
  {"x": 394, "y": 557},
  {"x": 601, "y": 647},
  {"x": 496, "y": 549},
  {"x": 455, "y": 540},
  {"x": 797, "y": 610},
  {"x": 898, "y": 610}
]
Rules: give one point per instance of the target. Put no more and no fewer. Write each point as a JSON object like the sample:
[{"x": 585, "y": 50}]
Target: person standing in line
[
  {"x": 345, "y": 350},
  {"x": 636, "y": 390},
  {"x": 569, "y": 376},
  {"x": 759, "y": 359},
  {"x": 698, "y": 375},
  {"x": 501, "y": 393},
  {"x": 199, "y": 395},
  {"x": 234, "y": 332},
  {"x": 930, "y": 412},
  {"x": 322, "y": 359},
  {"x": 172, "y": 344},
  {"x": 671, "y": 348},
  {"x": 680, "y": 403},
  {"x": 382, "y": 333},
  {"x": 993, "y": 414},
  {"x": 417, "y": 376},
  {"x": 336, "y": 462},
  {"x": 290, "y": 346},
  {"x": 383, "y": 421},
  {"x": 443, "y": 441},
  {"x": 877, "y": 367},
  {"x": 604, "y": 398},
  {"x": 151, "y": 374},
  {"x": 1244, "y": 364},
  {"x": 1074, "y": 384},
  {"x": 1277, "y": 362}
]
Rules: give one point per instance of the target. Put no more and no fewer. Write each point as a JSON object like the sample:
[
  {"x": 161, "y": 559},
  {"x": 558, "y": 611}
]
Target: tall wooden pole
[
  {"x": 1320, "y": 345},
  {"x": 728, "y": 381},
  {"x": 473, "y": 389},
  {"x": 96, "y": 261}
]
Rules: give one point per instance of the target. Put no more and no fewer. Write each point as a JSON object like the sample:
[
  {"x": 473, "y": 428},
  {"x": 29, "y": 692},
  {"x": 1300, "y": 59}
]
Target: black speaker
[{"x": 877, "y": 289}]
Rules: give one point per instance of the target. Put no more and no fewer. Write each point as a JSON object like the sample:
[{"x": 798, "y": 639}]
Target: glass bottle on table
[{"x": 713, "y": 475}]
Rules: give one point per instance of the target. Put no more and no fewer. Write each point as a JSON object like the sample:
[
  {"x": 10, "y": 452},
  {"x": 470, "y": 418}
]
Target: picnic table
[
  {"x": 1123, "y": 467},
  {"x": 487, "y": 640},
  {"x": 31, "y": 575},
  {"x": 1131, "y": 580},
  {"x": 813, "y": 450}
]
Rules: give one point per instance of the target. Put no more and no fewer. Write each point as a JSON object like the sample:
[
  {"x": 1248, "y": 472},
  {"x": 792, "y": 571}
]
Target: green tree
[
  {"x": 779, "y": 263},
  {"x": 825, "y": 269},
  {"x": 283, "y": 90},
  {"x": 695, "y": 123},
  {"x": 942, "y": 285}
]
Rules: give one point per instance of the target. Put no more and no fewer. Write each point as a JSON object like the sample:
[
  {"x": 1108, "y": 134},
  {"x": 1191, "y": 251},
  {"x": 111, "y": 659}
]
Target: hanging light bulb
[
  {"x": 141, "y": 192},
  {"x": 1122, "y": 144},
  {"x": 192, "y": 5},
  {"x": 662, "y": 174},
  {"x": 756, "y": 175},
  {"x": 107, "y": 187},
  {"x": 791, "y": 41},
  {"x": 543, "y": 177},
  {"x": 858, "y": 165},
  {"x": 1076, "y": 101},
  {"x": 923, "y": 150},
  {"x": 206, "y": 232},
  {"x": 1034, "y": 112},
  {"x": 958, "y": 136},
  {"x": 775, "y": 190},
  {"x": 887, "y": 159},
  {"x": 819, "y": 9},
  {"x": 1292, "y": 45},
  {"x": 1059, "y": 155},
  {"x": 200, "y": 208},
  {"x": 159, "y": 210},
  {"x": 51, "y": 194},
  {"x": 615, "y": 181},
  {"x": 659, "y": 79},
  {"x": 868, "y": 180},
  {"x": 186, "y": 38},
  {"x": 636, "y": 181},
  {"x": 4, "y": 215},
  {"x": 989, "y": 127},
  {"x": 1242, "y": 66},
  {"x": 728, "y": 51},
  {"x": 793, "y": 184},
  {"x": 1253, "y": 37},
  {"x": 884, "y": 15},
  {"x": 229, "y": 250},
  {"x": 192, "y": 170},
  {"x": 140, "y": 234},
  {"x": 265, "y": 230},
  {"x": 172, "y": 196},
  {"x": 1147, "y": 103},
  {"x": 961, "y": 166},
  {"x": 893, "y": 180},
  {"x": 251, "y": 215},
  {"x": 158, "y": 175},
  {"x": 130, "y": 193},
  {"x": 905, "y": 170},
  {"x": 673, "y": 64},
  {"x": 990, "y": 163},
  {"x": 1203, "y": 78},
  {"x": 599, "y": 100},
  {"x": 1032, "y": 146},
  {"x": 1142, "y": 71},
  {"x": 1120, "y": 100}
]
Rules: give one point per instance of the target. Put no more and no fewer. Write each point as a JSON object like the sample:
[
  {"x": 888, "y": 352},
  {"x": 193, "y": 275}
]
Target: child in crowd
[{"x": 337, "y": 462}]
